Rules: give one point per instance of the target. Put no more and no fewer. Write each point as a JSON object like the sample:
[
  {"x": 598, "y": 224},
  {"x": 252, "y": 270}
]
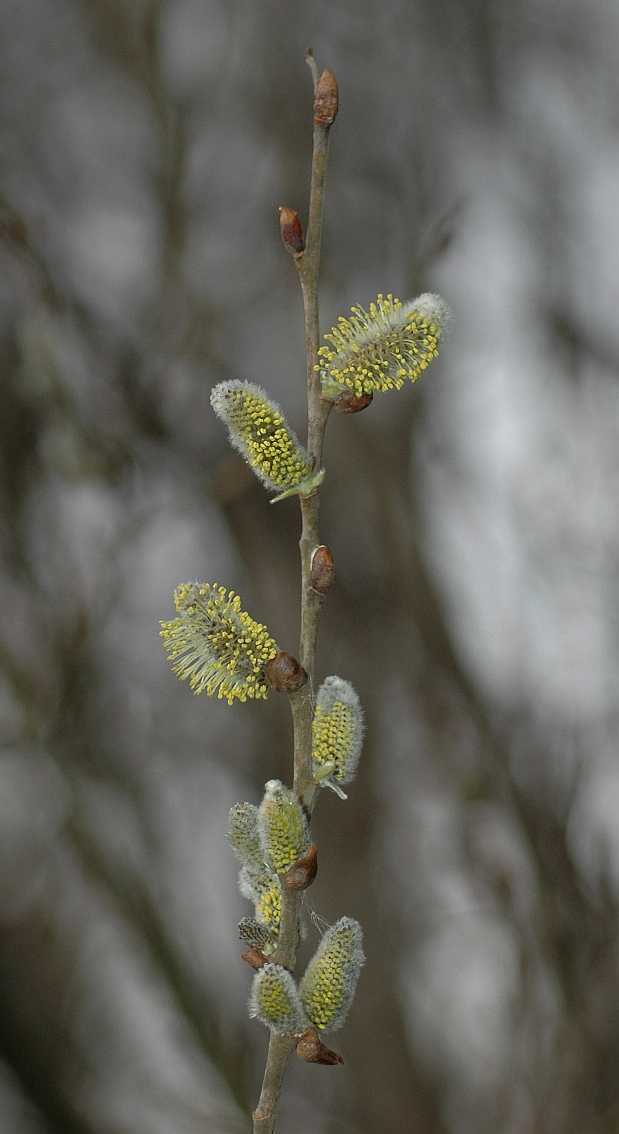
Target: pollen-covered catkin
[
  {"x": 217, "y": 646},
  {"x": 282, "y": 826},
  {"x": 274, "y": 1000},
  {"x": 378, "y": 349},
  {"x": 328, "y": 986},
  {"x": 337, "y": 732},
  {"x": 258, "y": 429}
]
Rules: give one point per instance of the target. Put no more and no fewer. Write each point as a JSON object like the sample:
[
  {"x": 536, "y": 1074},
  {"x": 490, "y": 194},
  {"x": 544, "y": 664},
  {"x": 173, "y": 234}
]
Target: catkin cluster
[
  {"x": 219, "y": 649},
  {"x": 267, "y": 841},
  {"x": 326, "y": 991},
  {"x": 274, "y": 1000}
]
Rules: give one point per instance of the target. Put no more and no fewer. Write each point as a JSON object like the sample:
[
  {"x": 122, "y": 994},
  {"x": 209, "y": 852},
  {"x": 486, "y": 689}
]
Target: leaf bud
[
  {"x": 322, "y": 569},
  {"x": 326, "y": 99},
  {"x": 291, "y": 230},
  {"x": 284, "y": 673}
]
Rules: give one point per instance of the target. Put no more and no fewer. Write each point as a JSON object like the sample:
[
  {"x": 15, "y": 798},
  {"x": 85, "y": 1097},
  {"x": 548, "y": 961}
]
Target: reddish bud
[
  {"x": 322, "y": 569},
  {"x": 352, "y": 403},
  {"x": 292, "y": 230},
  {"x": 311, "y": 1048},
  {"x": 284, "y": 672},
  {"x": 255, "y": 958},
  {"x": 326, "y": 99},
  {"x": 302, "y": 874}
]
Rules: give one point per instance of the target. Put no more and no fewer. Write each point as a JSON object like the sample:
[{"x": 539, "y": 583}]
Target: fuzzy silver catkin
[
  {"x": 337, "y": 732},
  {"x": 263, "y": 888},
  {"x": 259, "y": 431},
  {"x": 274, "y": 1000},
  {"x": 243, "y": 835},
  {"x": 282, "y": 826}
]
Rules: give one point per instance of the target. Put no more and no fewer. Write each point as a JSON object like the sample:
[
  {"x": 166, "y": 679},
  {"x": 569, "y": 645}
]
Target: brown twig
[{"x": 301, "y": 701}]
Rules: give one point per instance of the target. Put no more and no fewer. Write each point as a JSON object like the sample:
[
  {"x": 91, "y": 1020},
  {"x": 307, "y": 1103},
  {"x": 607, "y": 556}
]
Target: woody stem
[{"x": 301, "y": 701}]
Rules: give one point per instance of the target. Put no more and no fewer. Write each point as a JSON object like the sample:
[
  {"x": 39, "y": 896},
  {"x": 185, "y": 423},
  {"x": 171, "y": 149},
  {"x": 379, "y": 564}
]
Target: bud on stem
[
  {"x": 291, "y": 230},
  {"x": 322, "y": 569},
  {"x": 352, "y": 403},
  {"x": 304, "y": 871},
  {"x": 326, "y": 99},
  {"x": 284, "y": 673}
]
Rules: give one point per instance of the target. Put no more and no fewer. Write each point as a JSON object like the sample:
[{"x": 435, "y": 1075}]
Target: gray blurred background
[{"x": 145, "y": 147}]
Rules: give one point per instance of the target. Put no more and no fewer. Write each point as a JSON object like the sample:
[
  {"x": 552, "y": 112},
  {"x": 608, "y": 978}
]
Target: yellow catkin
[
  {"x": 328, "y": 986},
  {"x": 275, "y": 1001},
  {"x": 259, "y": 431},
  {"x": 268, "y": 905},
  {"x": 282, "y": 826},
  {"x": 333, "y": 734},
  {"x": 337, "y": 731},
  {"x": 378, "y": 349},
  {"x": 215, "y": 645}
]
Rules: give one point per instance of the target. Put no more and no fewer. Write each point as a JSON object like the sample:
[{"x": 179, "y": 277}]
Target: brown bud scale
[
  {"x": 254, "y": 957},
  {"x": 322, "y": 569},
  {"x": 311, "y": 1048},
  {"x": 304, "y": 871},
  {"x": 291, "y": 230},
  {"x": 284, "y": 673},
  {"x": 352, "y": 403},
  {"x": 326, "y": 99}
]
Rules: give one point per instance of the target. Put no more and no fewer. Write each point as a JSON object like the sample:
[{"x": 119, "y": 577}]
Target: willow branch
[{"x": 301, "y": 702}]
